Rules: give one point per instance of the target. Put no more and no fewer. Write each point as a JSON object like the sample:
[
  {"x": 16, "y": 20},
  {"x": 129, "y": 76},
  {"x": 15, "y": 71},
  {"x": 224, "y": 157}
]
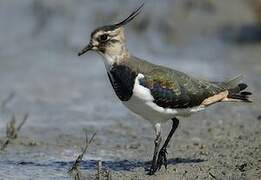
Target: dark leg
[
  {"x": 157, "y": 142},
  {"x": 162, "y": 157}
]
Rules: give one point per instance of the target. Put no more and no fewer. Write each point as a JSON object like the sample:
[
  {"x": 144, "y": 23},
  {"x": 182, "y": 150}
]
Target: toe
[
  {"x": 152, "y": 171},
  {"x": 162, "y": 159},
  {"x": 153, "y": 168}
]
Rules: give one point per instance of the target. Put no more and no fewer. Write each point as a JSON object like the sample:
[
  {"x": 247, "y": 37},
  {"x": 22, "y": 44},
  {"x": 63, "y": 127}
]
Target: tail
[
  {"x": 235, "y": 89},
  {"x": 237, "y": 93}
]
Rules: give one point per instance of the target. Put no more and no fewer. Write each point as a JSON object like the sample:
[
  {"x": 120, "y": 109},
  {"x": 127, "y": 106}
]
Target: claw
[{"x": 152, "y": 170}]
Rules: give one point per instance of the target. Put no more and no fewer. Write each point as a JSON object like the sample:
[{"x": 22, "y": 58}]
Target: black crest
[
  {"x": 122, "y": 23},
  {"x": 130, "y": 17}
]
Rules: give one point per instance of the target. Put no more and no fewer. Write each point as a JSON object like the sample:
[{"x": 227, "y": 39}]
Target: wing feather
[{"x": 174, "y": 89}]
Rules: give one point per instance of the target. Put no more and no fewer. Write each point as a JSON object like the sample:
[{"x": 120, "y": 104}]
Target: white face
[{"x": 109, "y": 42}]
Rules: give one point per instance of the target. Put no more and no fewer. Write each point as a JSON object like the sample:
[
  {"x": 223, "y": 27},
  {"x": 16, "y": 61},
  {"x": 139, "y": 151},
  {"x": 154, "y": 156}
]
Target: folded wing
[{"x": 174, "y": 89}]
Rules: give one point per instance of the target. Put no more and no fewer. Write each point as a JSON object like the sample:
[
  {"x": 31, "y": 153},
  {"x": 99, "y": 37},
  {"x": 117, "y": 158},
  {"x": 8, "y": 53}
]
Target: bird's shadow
[
  {"x": 126, "y": 165},
  {"x": 121, "y": 165}
]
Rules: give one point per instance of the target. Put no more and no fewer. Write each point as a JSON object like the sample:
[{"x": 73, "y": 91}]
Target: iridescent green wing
[{"x": 174, "y": 89}]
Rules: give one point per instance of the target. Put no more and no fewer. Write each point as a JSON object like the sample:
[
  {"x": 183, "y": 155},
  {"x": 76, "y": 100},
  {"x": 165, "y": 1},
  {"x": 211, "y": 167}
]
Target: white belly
[{"x": 142, "y": 104}]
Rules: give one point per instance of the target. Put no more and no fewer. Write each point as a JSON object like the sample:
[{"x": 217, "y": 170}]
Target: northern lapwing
[{"x": 155, "y": 92}]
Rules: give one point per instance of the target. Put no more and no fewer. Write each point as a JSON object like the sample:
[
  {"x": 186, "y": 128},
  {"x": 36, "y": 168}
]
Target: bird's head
[{"x": 110, "y": 39}]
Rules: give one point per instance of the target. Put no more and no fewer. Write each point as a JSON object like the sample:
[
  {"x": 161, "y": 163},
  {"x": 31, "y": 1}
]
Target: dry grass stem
[
  {"x": 75, "y": 169},
  {"x": 6, "y": 100},
  {"x": 12, "y": 130},
  {"x": 102, "y": 172}
]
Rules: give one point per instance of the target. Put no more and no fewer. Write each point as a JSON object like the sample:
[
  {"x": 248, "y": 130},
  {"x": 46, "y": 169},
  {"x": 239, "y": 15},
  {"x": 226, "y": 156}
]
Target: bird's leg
[
  {"x": 157, "y": 142},
  {"x": 162, "y": 157}
]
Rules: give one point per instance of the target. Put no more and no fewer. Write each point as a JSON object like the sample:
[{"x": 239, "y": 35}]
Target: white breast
[{"x": 142, "y": 104}]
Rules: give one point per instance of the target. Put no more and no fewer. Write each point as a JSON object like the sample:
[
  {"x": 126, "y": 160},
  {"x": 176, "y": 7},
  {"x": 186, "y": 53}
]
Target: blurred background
[{"x": 41, "y": 74}]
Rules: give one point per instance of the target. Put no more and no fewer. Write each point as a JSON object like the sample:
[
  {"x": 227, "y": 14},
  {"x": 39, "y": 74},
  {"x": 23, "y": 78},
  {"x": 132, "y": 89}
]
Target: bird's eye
[{"x": 103, "y": 37}]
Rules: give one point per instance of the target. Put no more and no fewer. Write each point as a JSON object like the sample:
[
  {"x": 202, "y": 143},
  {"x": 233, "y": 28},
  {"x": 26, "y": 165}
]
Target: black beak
[{"x": 87, "y": 48}]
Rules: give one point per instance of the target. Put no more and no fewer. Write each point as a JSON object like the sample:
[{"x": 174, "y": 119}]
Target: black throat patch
[{"x": 122, "y": 79}]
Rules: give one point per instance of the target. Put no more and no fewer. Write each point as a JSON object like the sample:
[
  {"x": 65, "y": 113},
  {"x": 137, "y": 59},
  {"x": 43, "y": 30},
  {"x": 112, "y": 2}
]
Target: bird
[{"x": 154, "y": 92}]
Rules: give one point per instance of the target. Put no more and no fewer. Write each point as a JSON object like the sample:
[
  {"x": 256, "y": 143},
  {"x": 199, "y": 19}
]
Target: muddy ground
[{"x": 66, "y": 95}]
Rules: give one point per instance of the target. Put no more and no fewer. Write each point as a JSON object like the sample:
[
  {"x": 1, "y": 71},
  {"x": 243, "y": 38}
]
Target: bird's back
[
  {"x": 171, "y": 88},
  {"x": 168, "y": 87}
]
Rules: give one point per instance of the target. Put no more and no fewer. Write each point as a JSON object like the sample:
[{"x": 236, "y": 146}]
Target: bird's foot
[
  {"x": 162, "y": 159},
  {"x": 152, "y": 169}
]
